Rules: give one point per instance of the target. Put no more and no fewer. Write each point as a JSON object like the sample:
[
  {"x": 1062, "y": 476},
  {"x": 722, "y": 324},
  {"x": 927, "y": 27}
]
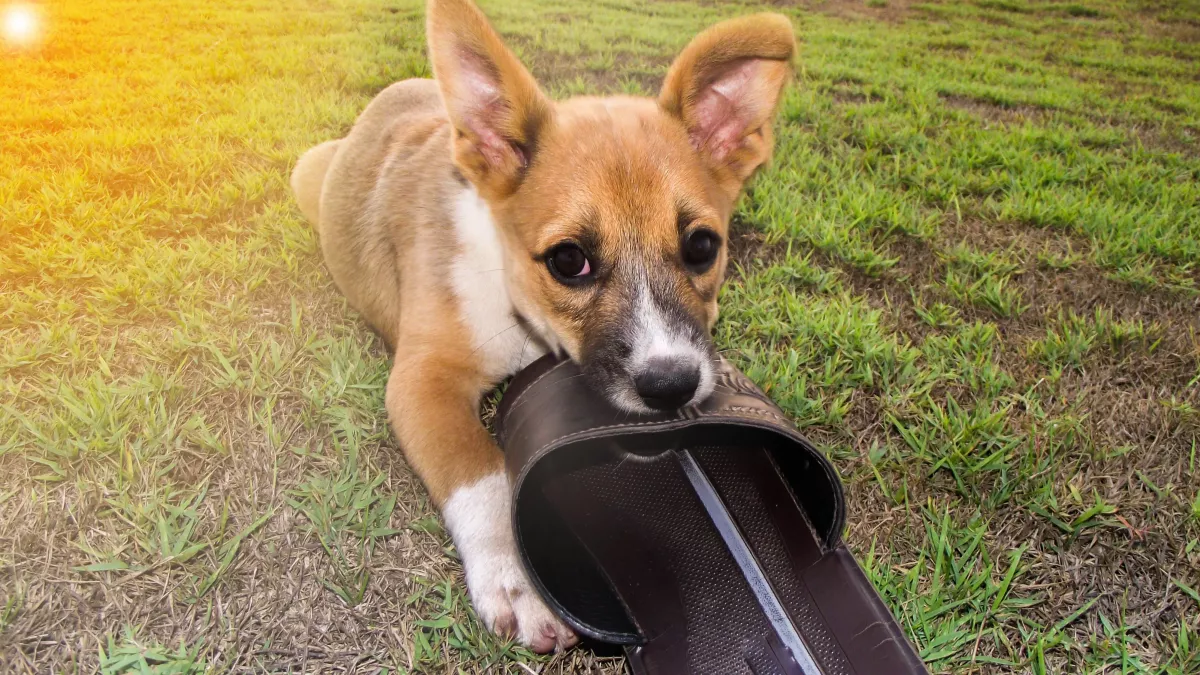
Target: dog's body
[
  {"x": 475, "y": 224},
  {"x": 396, "y": 221}
]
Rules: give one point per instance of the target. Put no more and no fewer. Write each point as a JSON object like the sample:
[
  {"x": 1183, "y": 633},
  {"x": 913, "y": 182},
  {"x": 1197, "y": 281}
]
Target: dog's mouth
[
  {"x": 659, "y": 383},
  {"x": 657, "y": 357}
]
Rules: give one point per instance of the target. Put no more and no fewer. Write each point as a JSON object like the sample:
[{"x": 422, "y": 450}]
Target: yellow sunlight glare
[{"x": 20, "y": 25}]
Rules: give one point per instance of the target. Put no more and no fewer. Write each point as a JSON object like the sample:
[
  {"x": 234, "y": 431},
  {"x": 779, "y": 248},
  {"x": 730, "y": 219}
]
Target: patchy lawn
[{"x": 971, "y": 274}]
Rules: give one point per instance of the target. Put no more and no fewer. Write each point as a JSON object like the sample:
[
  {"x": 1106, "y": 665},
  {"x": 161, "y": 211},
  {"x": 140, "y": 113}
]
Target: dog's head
[{"x": 614, "y": 212}]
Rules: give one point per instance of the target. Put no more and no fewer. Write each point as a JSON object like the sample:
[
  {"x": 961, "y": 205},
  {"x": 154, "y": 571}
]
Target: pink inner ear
[
  {"x": 483, "y": 110},
  {"x": 723, "y": 110}
]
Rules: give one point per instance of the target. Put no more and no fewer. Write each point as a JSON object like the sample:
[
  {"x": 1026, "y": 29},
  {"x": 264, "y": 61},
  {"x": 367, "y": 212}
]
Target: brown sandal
[{"x": 706, "y": 540}]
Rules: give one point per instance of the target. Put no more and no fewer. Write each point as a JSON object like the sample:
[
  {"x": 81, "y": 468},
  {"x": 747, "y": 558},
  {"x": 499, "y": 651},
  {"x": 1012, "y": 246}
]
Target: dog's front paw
[
  {"x": 509, "y": 606},
  {"x": 504, "y": 598}
]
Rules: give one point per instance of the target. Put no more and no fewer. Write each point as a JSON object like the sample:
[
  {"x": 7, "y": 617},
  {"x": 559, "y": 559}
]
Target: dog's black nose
[{"x": 667, "y": 384}]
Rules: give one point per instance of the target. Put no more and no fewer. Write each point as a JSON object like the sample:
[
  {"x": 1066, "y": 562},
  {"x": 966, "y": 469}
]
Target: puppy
[{"x": 476, "y": 224}]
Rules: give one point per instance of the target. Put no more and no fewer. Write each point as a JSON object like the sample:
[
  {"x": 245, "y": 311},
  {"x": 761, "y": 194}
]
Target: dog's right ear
[{"x": 494, "y": 103}]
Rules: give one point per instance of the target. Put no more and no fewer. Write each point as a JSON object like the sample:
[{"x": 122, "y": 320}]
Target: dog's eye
[
  {"x": 568, "y": 263},
  {"x": 700, "y": 249}
]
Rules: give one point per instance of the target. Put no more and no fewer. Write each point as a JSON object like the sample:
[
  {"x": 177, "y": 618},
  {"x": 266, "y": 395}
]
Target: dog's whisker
[
  {"x": 485, "y": 342},
  {"x": 521, "y": 355}
]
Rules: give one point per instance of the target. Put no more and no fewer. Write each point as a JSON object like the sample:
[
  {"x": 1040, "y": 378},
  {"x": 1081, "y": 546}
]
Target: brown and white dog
[{"x": 476, "y": 224}]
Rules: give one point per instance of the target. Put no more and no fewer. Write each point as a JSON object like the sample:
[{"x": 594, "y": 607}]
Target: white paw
[
  {"x": 508, "y": 604},
  {"x": 477, "y": 517}
]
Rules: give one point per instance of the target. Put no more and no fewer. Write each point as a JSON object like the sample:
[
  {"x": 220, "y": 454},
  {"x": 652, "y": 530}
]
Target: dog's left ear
[{"x": 725, "y": 86}]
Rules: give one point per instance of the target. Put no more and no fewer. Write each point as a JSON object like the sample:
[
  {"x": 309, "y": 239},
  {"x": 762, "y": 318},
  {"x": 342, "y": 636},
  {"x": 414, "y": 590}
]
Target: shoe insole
[{"x": 705, "y": 550}]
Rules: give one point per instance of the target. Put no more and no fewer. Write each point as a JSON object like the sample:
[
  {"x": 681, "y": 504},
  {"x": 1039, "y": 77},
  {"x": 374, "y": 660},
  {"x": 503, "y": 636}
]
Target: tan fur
[
  {"x": 309, "y": 176},
  {"x": 618, "y": 168}
]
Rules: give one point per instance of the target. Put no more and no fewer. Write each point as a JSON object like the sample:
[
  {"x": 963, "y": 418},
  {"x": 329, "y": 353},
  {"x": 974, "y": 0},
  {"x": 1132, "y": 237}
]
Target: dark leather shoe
[{"x": 703, "y": 540}]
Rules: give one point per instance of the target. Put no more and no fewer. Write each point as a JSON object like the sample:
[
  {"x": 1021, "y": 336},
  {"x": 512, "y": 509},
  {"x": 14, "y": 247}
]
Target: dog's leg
[{"x": 433, "y": 404}]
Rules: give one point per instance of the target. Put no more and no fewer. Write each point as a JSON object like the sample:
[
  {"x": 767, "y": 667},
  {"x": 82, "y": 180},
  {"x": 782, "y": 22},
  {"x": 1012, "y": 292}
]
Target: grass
[{"x": 970, "y": 273}]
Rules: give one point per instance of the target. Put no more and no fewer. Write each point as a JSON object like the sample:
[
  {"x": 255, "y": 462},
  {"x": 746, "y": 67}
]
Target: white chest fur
[{"x": 502, "y": 345}]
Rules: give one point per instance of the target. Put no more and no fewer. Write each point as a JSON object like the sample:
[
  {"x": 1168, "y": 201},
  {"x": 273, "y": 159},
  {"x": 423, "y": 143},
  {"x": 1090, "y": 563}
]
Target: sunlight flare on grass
[{"x": 22, "y": 26}]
